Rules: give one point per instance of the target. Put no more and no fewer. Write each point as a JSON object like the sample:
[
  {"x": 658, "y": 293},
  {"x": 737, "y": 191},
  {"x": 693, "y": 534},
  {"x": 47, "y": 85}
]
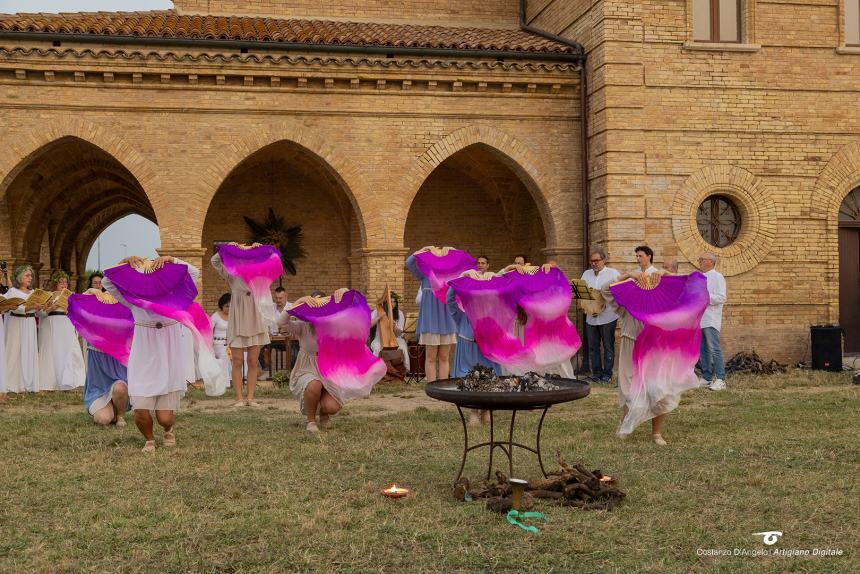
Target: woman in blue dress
[
  {"x": 435, "y": 328},
  {"x": 106, "y": 386}
]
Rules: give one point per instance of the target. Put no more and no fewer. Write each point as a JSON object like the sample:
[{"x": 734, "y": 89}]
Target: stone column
[
  {"x": 384, "y": 266},
  {"x": 569, "y": 259}
]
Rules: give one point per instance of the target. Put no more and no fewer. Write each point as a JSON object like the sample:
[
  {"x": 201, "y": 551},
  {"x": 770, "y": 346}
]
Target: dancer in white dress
[
  {"x": 22, "y": 349},
  {"x": 219, "y": 320},
  {"x": 161, "y": 360},
  {"x": 61, "y": 363}
]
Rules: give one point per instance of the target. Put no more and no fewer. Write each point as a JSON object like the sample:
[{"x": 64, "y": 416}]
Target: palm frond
[{"x": 274, "y": 231}]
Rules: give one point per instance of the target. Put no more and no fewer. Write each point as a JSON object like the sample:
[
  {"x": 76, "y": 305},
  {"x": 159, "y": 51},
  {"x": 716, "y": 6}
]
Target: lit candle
[{"x": 395, "y": 491}]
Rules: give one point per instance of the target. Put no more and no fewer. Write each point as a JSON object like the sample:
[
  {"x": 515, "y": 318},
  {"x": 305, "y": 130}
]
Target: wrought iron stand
[{"x": 506, "y": 447}]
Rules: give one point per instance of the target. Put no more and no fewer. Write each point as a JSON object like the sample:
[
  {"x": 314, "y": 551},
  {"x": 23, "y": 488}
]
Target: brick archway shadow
[
  {"x": 511, "y": 152},
  {"x": 345, "y": 171}
]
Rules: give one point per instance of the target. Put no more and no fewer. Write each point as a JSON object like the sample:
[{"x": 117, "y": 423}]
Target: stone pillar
[
  {"x": 569, "y": 259},
  {"x": 192, "y": 255},
  {"x": 384, "y": 266}
]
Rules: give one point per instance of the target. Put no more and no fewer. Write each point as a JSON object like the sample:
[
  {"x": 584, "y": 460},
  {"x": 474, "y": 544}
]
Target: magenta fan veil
[
  {"x": 349, "y": 367},
  {"x": 440, "y": 269},
  {"x": 258, "y": 267},
  {"x": 170, "y": 292},
  {"x": 109, "y": 327},
  {"x": 491, "y": 306},
  {"x": 667, "y": 349}
]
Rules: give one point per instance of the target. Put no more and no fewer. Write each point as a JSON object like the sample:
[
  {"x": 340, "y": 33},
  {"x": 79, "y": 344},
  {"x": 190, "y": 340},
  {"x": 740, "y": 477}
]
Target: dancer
[
  {"x": 467, "y": 353},
  {"x": 108, "y": 328},
  {"x": 660, "y": 339},
  {"x": 435, "y": 328},
  {"x": 249, "y": 271},
  {"x": 61, "y": 364},
  {"x": 22, "y": 347},
  {"x": 334, "y": 364},
  {"x": 161, "y": 294}
]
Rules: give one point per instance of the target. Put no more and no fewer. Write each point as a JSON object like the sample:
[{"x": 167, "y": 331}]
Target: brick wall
[
  {"x": 189, "y": 144},
  {"x": 670, "y": 122}
]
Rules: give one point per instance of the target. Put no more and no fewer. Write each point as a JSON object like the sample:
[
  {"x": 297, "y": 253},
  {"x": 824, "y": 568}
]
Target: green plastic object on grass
[{"x": 514, "y": 514}]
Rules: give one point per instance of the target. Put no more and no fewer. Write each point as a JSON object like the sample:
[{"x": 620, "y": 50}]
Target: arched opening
[
  {"x": 300, "y": 187},
  {"x": 61, "y": 198},
  {"x": 475, "y": 201},
  {"x": 129, "y": 235},
  {"x": 849, "y": 270}
]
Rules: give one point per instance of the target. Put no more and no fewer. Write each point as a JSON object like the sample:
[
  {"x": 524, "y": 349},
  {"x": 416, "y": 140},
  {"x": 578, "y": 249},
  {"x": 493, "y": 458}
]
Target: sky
[
  {"x": 12, "y": 6},
  {"x": 131, "y": 235}
]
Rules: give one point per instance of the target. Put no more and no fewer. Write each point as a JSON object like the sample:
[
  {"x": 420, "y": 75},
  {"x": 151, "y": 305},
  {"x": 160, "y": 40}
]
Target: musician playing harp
[
  {"x": 386, "y": 332},
  {"x": 600, "y": 319}
]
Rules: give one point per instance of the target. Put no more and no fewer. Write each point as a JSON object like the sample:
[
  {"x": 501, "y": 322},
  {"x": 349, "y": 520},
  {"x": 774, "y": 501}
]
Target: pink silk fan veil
[
  {"x": 170, "y": 292},
  {"x": 666, "y": 350},
  {"x": 347, "y": 365},
  {"x": 440, "y": 269},
  {"x": 109, "y": 327},
  {"x": 491, "y": 306},
  {"x": 258, "y": 267}
]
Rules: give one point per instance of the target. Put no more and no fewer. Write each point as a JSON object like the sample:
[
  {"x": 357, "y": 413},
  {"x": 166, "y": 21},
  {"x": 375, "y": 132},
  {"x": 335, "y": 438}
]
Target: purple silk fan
[
  {"x": 491, "y": 306},
  {"x": 349, "y": 368},
  {"x": 442, "y": 269},
  {"x": 258, "y": 267},
  {"x": 109, "y": 327},
  {"x": 667, "y": 349},
  {"x": 170, "y": 292}
]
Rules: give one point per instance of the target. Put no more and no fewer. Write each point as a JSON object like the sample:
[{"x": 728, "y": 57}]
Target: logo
[{"x": 770, "y": 537}]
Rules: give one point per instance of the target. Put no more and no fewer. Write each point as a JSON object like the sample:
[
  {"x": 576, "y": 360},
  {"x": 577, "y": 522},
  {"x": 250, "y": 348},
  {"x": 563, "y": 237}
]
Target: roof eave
[{"x": 296, "y": 47}]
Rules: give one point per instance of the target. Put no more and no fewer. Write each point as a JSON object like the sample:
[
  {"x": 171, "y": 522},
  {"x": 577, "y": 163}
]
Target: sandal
[
  {"x": 149, "y": 447},
  {"x": 325, "y": 422},
  {"x": 658, "y": 439},
  {"x": 312, "y": 427},
  {"x": 120, "y": 422},
  {"x": 169, "y": 437},
  {"x": 254, "y": 404},
  {"x": 238, "y": 404}
]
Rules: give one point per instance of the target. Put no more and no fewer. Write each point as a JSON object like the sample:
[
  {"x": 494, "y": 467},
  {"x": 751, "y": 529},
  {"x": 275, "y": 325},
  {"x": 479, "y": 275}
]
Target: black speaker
[{"x": 826, "y": 347}]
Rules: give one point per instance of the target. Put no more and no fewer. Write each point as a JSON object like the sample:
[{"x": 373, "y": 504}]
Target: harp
[{"x": 385, "y": 311}]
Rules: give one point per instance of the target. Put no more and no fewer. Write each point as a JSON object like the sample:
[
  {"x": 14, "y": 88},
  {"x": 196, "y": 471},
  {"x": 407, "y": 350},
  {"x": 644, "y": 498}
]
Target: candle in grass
[{"x": 394, "y": 491}]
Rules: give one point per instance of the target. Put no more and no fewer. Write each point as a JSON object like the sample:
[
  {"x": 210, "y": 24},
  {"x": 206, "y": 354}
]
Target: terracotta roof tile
[{"x": 170, "y": 24}]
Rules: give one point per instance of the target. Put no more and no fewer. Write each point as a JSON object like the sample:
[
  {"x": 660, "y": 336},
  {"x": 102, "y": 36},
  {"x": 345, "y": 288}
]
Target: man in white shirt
[
  {"x": 280, "y": 300},
  {"x": 645, "y": 258},
  {"x": 711, "y": 355},
  {"x": 600, "y": 326}
]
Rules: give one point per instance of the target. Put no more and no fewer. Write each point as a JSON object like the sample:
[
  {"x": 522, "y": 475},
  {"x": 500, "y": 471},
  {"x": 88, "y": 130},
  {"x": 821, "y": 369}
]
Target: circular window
[{"x": 718, "y": 220}]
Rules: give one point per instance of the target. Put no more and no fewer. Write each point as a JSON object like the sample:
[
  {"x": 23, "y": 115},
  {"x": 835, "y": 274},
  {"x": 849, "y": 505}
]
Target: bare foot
[
  {"x": 119, "y": 398},
  {"x": 169, "y": 437}
]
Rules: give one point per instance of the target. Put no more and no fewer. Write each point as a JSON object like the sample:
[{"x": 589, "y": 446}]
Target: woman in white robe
[
  {"x": 160, "y": 363},
  {"x": 61, "y": 363},
  {"x": 22, "y": 348},
  {"x": 219, "y": 320}
]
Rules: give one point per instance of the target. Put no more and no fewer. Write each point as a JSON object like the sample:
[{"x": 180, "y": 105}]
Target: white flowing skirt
[
  {"x": 22, "y": 355},
  {"x": 61, "y": 363},
  {"x": 161, "y": 360}
]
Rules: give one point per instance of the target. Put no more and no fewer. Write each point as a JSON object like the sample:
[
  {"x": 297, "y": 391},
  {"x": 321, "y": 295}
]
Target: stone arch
[
  {"x": 838, "y": 178},
  {"x": 19, "y": 152},
  {"x": 336, "y": 162},
  {"x": 513, "y": 153}
]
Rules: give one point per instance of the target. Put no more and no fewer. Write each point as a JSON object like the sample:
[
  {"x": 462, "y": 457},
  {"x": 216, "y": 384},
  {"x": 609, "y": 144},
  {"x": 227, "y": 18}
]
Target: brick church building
[{"x": 542, "y": 127}]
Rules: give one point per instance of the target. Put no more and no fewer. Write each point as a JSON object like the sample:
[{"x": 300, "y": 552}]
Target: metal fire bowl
[{"x": 446, "y": 390}]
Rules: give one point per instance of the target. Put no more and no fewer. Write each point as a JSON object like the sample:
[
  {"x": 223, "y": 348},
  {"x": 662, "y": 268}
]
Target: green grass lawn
[{"x": 250, "y": 491}]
